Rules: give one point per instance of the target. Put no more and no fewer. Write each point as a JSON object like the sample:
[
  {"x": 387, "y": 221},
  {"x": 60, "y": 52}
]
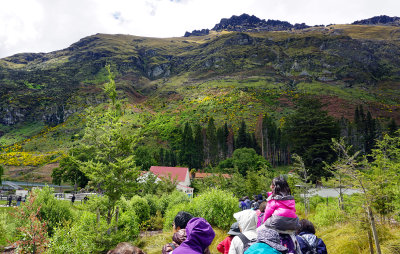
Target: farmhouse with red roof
[{"x": 181, "y": 175}]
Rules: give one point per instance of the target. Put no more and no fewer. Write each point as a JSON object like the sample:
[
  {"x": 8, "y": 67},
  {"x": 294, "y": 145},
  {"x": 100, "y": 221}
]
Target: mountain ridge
[{"x": 247, "y": 23}]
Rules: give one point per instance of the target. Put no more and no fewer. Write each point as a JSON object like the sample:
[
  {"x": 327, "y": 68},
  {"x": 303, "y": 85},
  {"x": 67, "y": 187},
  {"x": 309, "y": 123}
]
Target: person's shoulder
[{"x": 260, "y": 247}]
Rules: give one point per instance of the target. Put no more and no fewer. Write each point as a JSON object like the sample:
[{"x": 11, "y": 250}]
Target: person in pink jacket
[{"x": 280, "y": 213}]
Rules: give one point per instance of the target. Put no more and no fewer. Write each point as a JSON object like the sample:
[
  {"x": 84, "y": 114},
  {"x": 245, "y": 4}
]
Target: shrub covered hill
[{"x": 242, "y": 68}]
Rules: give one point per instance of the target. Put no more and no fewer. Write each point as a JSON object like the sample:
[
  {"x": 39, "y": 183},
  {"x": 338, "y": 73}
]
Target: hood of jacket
[
  {"x": 179, "y": 236},
  {"x": 199, "y": 235},
  {"x": 280, "y": 197},
  {"x": 310, "y": 238},
  {"x": 247, "y": 220}
]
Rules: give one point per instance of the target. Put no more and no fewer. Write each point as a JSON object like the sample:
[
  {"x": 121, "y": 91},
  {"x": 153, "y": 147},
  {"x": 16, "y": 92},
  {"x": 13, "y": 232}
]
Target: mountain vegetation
[
  {"x": 244, "y": 80},
  {"x": 250, "y": 98}
]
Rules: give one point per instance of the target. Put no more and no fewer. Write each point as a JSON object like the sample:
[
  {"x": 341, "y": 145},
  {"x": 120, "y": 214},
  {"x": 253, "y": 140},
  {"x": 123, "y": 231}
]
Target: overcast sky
[{"x": 48, "y": 25}]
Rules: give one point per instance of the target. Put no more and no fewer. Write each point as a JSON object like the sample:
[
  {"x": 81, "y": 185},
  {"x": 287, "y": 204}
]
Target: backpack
[
  {"x": 287, "y": 241},
  {"x": 311, "y": 249},
  {"x": 246, "y": 242}
]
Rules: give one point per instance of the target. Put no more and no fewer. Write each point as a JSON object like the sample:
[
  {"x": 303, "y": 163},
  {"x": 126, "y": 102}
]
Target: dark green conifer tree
[
  {"x": 242, "y": 139},
  {"x": 310, "y": 131},
  {"x": 161, "y": 157},
  {"x": 225, "y": 145},
  {"x": 392, "y": 127},
  {"x": 198, "y": 156},
  {"x": 212, "y": 144},
  {"x": 187, "y": 149}
]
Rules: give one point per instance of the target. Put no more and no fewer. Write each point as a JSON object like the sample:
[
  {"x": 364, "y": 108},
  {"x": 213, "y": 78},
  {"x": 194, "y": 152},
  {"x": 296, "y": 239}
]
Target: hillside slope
[{"x": 229, "y": 75}]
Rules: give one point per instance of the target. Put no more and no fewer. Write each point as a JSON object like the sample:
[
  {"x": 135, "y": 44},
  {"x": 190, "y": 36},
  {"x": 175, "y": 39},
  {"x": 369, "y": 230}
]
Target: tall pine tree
[
  {"x": 212, "y": 143},
  {"x": 188, "y": 148},
  {"x": 310, "y": 131},
  {"x": 198, "y": 156}
]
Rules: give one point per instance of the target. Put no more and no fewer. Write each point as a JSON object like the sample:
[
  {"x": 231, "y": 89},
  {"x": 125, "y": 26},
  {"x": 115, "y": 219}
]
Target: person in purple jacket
[
  {"x": 199, "y": 236},
  {"x": 308, "y": 240}
]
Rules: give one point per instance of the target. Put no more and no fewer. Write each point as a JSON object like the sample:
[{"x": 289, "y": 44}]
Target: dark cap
[{"x": 234, "y": 229}]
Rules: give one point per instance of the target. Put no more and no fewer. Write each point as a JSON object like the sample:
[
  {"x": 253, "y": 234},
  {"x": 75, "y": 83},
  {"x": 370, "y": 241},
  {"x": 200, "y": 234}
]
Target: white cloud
[{"x": 47, "y": 25}]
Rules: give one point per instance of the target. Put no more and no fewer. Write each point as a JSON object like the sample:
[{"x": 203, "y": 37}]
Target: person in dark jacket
[
  {"x": 19, "y": 199},
  {"x": 9, "y": 199},
  {"x": 308, "y": 240},
  {"x": 199, "y": 236},
  {"x": 179, "y": 227}
]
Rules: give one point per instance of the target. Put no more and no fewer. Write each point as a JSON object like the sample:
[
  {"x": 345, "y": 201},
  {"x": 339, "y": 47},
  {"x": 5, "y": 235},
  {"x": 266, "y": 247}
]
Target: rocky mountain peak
[
  {"x": 247, "y": 23},
  {"x": 379, "y": 20}
]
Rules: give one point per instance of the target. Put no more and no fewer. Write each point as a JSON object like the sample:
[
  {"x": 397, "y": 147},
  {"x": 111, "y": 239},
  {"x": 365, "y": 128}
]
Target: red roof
[{"x": 173, "y": 172}]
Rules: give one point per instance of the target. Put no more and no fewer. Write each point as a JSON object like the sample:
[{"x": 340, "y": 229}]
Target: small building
[{"x": 178, "y": 174}]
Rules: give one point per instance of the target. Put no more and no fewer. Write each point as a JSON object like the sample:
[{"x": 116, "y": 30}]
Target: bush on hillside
[
  {"x": 177, "y": 197},
  {"x": 168, "y": 200},
  {"x": 216, "y": 206},
  {"x": 7, "y": 228},
  {"x": 85, "y": 235},
  {"x": 154, "y": 203},
  {"x": 141, "y": 208},
  {"x": 172, "y": 212},
  {"x": 52, "y": 211},
  {"x": 98, "y": 204},
  {"x": 76, "y": 237}
]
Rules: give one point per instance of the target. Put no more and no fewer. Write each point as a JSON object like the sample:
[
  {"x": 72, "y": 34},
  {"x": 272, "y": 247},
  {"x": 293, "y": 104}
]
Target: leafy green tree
[
  {"x": 112, "y": 168},
  {"x": 303, "y": 178},
  {"x": 69, "y": 169},
  {"x": 144, "y": 157},
  {"x": 378, "y": 180},
  {"x": 246, "y": 159},
  {"x": 310, "y": 130},
  {"x": 154, "y": 185}
]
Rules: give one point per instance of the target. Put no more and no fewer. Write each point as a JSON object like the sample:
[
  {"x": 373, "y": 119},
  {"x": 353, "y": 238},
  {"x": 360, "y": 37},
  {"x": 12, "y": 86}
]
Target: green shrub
[
  {"x": 326, "y": 215},
  {"x": 168, "y": 200},
  {"x": 177, "y": 197},
  {"x": 217, "y": 207},
  {"x": 156, "y": 221},
  {"x": 98, "y": 203},
  {"x": 52, "y": 211},
  {"x": 7, "y": 229},
  {"x": 85, "y": 235},
  {"x": 140, "y": 206},
  {"x": 78, "y": 237},
  {"x": 154, "y": 203},
  {"x": 172, "y": 212}
]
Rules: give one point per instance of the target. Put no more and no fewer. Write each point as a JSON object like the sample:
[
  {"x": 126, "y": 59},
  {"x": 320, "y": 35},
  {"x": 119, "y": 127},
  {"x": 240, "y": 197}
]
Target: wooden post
[
  {"x": 374, "y": 233},
  {"x": 371, "y": 246}
]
